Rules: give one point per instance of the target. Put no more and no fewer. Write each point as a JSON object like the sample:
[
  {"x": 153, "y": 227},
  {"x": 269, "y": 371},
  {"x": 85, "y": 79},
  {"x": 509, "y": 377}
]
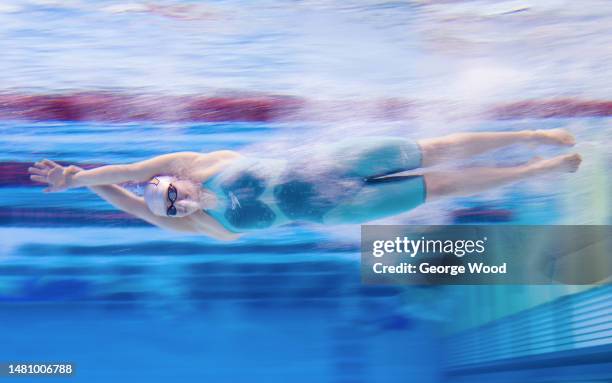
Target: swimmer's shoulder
[
  {"x": 223, "y": 155},
  {"x": 212, "y": 163},
  {"x": 211, "y": 158}
]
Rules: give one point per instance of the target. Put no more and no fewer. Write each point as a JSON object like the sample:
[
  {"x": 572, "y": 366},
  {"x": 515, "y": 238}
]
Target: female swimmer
[{"x": 223, "y": 194}]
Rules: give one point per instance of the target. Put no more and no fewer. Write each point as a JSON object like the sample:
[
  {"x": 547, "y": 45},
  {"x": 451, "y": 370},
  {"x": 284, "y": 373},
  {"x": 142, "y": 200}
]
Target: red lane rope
[
  {"x": 109, "y": 107},
  {"x": 552, "y": 109},
  {"x": 117, "y": 107}
]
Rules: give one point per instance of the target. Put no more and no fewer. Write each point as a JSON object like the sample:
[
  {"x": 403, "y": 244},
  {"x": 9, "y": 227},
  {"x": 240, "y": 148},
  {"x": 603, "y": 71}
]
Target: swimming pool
[{"x": 111, "y": 82}]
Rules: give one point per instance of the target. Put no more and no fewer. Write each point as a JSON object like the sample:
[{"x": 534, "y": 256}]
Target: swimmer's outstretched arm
[
  {"x": 173, "y": 163},
  {"x": 197, "y": 223},
  {"x": 59, "y": 180}
]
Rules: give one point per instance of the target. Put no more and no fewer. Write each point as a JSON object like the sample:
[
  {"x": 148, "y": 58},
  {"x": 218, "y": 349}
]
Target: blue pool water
[
  {"x": 81, "y": 283},
  {"x": 121, "y": 299}
]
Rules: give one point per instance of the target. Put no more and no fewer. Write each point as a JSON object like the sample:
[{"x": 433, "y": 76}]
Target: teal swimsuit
[{"x": 336, "y": 185}]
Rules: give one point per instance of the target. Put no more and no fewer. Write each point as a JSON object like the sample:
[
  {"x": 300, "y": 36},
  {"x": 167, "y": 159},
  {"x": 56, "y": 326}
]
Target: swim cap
[{"x": 155, "y": 194}]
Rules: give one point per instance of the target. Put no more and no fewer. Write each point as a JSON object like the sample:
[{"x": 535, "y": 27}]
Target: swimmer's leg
[
  {"x": 378, "y": 199},
  {"x": 464, "y": 145},
  {"x": 373, "y": 156},
  {"x": 472, "y": 181}
]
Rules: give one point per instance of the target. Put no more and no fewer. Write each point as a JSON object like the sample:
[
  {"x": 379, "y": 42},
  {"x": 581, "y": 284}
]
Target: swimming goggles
[{"x": 172, "y": 194}]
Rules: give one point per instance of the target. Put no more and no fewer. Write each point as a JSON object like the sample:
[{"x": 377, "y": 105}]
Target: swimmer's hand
[{"x": 56, "y": 176}]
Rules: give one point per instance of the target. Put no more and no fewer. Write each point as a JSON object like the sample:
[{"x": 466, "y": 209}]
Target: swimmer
[{"x": 224, "y": 194}]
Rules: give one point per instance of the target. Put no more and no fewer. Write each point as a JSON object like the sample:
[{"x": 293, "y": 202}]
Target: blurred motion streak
[{"x": 118, "y": 107}]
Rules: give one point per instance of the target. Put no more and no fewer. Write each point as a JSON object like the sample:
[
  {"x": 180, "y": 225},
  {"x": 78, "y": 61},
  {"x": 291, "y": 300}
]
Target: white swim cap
[{"x": 155, "y": 194}]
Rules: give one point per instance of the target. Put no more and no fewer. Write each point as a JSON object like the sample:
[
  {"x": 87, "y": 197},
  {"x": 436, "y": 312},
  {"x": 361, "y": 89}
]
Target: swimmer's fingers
[
  {"x": 46, "y": 165},
  {"x": 38, "y": 171},
  {"x": 37, "y": 178},
  {"x": 50, "y": 163},
  {"x": 39, "y": 165},
  {"x": 53, "y": 174},
  {"x": 43, "y": 166}
]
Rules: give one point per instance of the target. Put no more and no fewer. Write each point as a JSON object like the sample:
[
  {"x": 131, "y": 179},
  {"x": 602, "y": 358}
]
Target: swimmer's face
[{"x": 159, "y": 200}]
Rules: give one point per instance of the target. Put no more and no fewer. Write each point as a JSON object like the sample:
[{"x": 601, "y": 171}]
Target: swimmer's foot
[
  {"x": 567, "y": 163},
  {"x": 560, "y": 137}
]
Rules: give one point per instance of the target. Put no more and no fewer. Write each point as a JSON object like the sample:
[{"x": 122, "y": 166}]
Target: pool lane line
[{"x": 65, "y": 217}]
